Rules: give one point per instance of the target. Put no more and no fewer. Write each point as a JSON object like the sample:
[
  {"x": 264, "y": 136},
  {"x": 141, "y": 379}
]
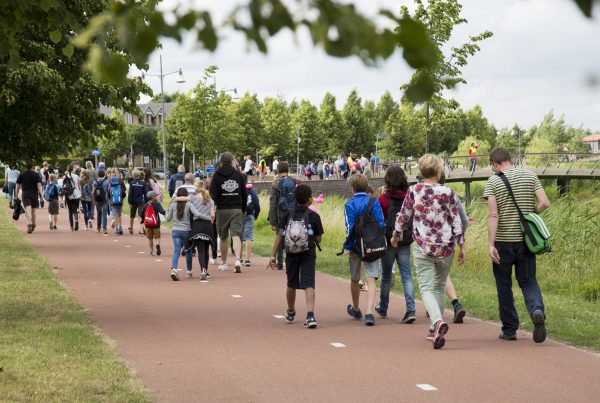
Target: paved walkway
[{"x": 222, "y": 340}]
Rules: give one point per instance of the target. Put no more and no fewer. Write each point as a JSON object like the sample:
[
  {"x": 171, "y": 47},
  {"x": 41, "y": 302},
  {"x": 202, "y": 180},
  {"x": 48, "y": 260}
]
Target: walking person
[
  {"x": 473, "y": 157},
  {"x": 391, "y": 201},
  {"x": 30, "y": 186},
  {"x": 136, "y": 197},
  {"x": 86, "y": 184},
  {"x": 150, "y": 215},
  {"x": 275, "y": 166},
  {"x": 252, "y": 212},
  {"x": 51, "y": 194},
  {"x": 89, "y": 167},
  {"x": 180, "y": 213},
  {"x": 72, "y": 191},
  {"x": 11, "y": 176},
  {"x": 100, "y": 190},
  {"x": 202, "y": 234},
  {"x": 152, "y": 185},
  {"x": 228, "y": 191},
  {"x": 281, "y": 202},
  {"x": 116, "y": 196},
  {"x": 436, "y": 229},
  {"x": 176, "y": 180},
  {"x": 505, "y": 241}
]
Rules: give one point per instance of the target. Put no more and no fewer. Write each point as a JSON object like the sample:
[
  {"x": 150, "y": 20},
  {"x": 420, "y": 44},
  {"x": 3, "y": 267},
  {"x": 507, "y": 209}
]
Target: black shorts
[
  {"x": 31, "y": 199},
  {"x": 134, "y": 208},
  {"x": 300, "y": 270}
]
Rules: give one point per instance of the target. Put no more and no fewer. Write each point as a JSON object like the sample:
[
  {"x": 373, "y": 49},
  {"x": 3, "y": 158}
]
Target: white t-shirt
[
  {"x": 248, "y": 166},
  {"x": 12, "y": 175},
  {"x": 275, "y": 165}
]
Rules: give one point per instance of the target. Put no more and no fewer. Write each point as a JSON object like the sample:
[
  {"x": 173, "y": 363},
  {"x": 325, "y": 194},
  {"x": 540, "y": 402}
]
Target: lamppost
[{"x": 179, "y": 80}]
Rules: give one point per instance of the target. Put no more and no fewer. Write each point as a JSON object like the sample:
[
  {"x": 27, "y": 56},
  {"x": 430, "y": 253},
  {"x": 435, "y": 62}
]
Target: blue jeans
[
  {"x": 516, "y": 254},
  {"x": 87, "y": 211},
  {"x": 11, "y": 191},
  {"x": 179, "y": 238},
  {"x": 401, "y": 255},
  {"x": 102, "y": 213}
]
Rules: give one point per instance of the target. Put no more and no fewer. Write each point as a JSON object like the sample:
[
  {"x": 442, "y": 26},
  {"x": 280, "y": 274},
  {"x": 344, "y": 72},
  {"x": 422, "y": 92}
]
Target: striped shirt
[{"x": 524, "y": 184}]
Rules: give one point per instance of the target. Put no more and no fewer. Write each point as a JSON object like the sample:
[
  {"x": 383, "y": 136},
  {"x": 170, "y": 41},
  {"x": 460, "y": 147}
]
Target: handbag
[{"x": 535, "y": 232}]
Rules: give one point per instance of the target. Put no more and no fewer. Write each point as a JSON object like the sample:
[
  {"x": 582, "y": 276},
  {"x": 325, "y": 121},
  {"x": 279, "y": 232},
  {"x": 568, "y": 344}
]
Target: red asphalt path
[{"x": 192, "y": 341}]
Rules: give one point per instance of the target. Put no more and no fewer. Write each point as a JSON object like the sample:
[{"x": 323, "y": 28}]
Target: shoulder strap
[
  {"x": 512, "y": 195},
  {"x": 370, "y": 206}
]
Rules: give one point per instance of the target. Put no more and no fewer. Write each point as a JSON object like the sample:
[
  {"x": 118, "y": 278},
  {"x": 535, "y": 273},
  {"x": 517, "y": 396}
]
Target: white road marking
[
  {"x": 338, "y": 345},
  {"x": 236, "y": 296},
  {"x": 279, "y": 316},
  {"x": 141, "y": 252},
  {"x": 158, "y": 260},
  {"x": 128, "y": 246},
  {"x": 204, "y": 281},
  {"x": 115, "y": 240},
  {"x": 425, "y": 386}
]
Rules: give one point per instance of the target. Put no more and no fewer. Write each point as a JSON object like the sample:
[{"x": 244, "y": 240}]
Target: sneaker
[
  {"x": 189, "y": 274},
  {"x": 430, "y": 335},
  {"x": 310, "y": 323},
  {"x": 158, "y": 252},
  {"x": 439, "y": 331},
  {"x": 247, "y": 263},
  {"x": 409, "y": 317},
  {"x": 223, "y": 267},
  {"x": 504, "y": 336},
  {"x": 238, "y": 266},
  {"x": 174, "y": 275},
  {"x": 207, "y": 275},
  {"x": 76, "y": 225},
  {"x": 213, "y": 261},
  {"x": 112, "y": 224},
  {"x": 203, "y": 275},
  {"x": 98, "y": 230},
  {"x": 29, "y": 228},
  {"x": 62, "y": 205},
  {"x": 90, "y": 224},
  {"x": 51, "y": 227},
  {"x": 539, "y": 327},
  {"x": 55, "y": 227},
  {"x": 380, "y": 311},
  {"x": 369, "y": 320},
  {"x": 459, "y": 313},
  {"x": 152, "y": 253},
  {"x": 355, "y": 314},
  {"x": 290, "y": 315},
  {"x": 279, "y": 267},
  {"x": 105, "y": 232},
  {"x": 130, "y": 230}
]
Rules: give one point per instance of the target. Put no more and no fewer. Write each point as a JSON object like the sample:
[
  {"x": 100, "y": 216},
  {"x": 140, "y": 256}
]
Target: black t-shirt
[
  {"x": 29, "y": 181},
  {"x": 313, "y": 218}
]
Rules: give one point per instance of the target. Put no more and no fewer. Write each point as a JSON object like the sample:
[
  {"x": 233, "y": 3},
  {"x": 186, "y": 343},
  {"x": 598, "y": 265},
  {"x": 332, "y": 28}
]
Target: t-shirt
[
  {"x": 29, "y": 181},
  {"x": 12, "y": 175},
  {"x": 524, "y": 184},
  {"x": 313, "y": 218},
  {"x": 248, "y": 166},
  {"x": 275, "y": 165}
]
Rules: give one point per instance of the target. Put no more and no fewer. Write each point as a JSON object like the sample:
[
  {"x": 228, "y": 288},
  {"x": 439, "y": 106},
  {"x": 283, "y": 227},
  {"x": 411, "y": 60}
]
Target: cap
[{"x": 151, "y": 194}]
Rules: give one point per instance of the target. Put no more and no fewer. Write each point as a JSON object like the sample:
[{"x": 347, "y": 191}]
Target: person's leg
[
  {"x": 442, "y": 269},
  {"x": 28, "y": 214},
  {"x": 309, "y": 293},
  {"x": 99, "y": 208},
  {"x": 408, "y": 285},
  {"x": 425, "y": 270},
  {"x": 132, "y": 211},
  {"x": 188, "y": 254},
  {"x": 371, "y": 273},
  {"x": 354, "y": 262},
  {"x": 70, "y": 210},
  {"x": 290, "y": 296},
  {"x": 177, "y": 245},
  {"x": 224, "y": 249},
  {"x": 151, "y": 243},
  {"x": 237, "y": 246},
  {"x": 503, "y": 276},
  {"x": 387, "y": 262},
  {"x": 279, "y": 259},
  {"x": 450, "y": 290},
  {"x": 33, "y": 215},
  {"x": 525, "y": 272},
  {"x": 104, "y": 216},
  {"x": 11, "y": 192}
]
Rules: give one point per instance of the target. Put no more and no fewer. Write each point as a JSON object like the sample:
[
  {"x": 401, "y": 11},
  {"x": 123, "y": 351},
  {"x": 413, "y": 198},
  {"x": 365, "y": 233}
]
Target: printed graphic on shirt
[{"x": 230, "y": 186}]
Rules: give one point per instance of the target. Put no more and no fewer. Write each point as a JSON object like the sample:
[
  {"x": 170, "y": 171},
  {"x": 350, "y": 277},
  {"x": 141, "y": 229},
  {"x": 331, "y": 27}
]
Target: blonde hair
[
  {"x": 199, "y": 183},
  {"x": 45, "y": 164},
  {"x": 381, "y": 190},
  {"x": 431, "y": 166},
  {"x": 359, "y": 183},
  {"x": 114, "y": 171},
  {"x": 136, "y": 174},
  {"x": 53, "y": 177}
]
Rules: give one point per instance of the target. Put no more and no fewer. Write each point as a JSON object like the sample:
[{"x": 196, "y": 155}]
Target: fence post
[
  {"x": 546, "y": 166},
  {"x": 467, "y": 193}
]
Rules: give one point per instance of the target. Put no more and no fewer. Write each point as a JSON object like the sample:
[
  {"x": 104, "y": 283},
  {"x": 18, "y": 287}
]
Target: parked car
[{"x": 159, "y": 174}]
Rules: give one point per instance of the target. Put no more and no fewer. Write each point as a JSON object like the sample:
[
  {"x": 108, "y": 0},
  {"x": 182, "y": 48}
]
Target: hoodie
[{"x": 227, "y": 189}]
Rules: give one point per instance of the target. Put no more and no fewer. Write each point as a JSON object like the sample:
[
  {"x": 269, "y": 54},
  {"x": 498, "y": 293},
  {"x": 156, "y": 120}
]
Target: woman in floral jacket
[{"x": 436, "y": 230}]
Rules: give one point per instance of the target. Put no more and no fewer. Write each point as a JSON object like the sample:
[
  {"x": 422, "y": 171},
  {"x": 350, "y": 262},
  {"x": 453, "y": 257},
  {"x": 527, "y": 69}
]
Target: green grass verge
[
  {"x": 569, "y": 276},
  {"x": 49, "y": 350}
]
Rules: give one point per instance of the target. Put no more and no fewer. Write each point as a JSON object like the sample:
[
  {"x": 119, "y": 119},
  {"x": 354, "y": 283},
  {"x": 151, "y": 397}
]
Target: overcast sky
[{"x": 541, "y": 57}]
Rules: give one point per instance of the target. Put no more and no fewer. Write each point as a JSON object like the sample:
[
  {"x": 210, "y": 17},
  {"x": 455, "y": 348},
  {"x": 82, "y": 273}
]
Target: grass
[
  {"x": 50, "y": 350},
  {"x": 569, "y": 276}
]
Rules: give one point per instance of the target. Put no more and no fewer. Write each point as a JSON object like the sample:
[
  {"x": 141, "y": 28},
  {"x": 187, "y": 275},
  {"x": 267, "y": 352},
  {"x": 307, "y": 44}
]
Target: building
[
  {"x": 593, "y": 141},
  {"x": 151, "y": 114}
]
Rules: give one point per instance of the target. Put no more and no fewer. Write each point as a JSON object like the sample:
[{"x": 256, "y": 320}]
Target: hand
[
  {"x": 394, "y": 241},
  {"x": 494, "y": 254},
  {"x": 273, "y": 228},
  {"x": 462, "y": 255},
  {"x": 346, "y": 252},
  {"x": 272, "y": 263}
]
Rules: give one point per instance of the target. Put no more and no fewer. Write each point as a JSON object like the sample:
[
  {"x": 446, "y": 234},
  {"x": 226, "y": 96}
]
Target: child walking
[
  {"x": 252, "y": 212},
  {"x": 301, "y": 231},
  {"x": 150, "y": 215},
  {"x": 52, "y": 193}
]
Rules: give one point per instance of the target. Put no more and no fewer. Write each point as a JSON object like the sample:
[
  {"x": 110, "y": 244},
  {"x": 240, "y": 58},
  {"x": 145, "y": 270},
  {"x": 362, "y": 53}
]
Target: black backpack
[
  {"x": 370, "y": 238},
  {"x": 287, "y": 198},
  {"x": 99, "y": 193},
  {"x": 68, "y": 186},
  {"x": 394, "y": 207}
]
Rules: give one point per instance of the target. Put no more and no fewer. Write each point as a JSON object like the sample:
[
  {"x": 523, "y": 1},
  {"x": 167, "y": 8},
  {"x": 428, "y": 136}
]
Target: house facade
[{"x": 593, "y": 141}]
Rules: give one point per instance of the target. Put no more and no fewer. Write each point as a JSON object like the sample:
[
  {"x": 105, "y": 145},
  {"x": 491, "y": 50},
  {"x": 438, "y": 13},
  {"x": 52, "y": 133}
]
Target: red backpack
[{"x": 150, "y": 219}]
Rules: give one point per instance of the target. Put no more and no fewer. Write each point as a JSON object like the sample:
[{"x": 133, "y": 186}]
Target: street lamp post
[{"x": 180, "y": 80}]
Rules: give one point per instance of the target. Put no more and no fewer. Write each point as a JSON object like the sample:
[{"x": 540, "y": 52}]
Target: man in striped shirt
[{"x": 506, "y": 245}]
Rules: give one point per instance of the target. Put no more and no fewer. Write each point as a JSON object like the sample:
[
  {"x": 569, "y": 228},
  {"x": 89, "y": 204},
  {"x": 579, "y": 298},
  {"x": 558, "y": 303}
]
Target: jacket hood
[
  {"x": 226, "y": 171},
  {"x": 400, "y": 194}
]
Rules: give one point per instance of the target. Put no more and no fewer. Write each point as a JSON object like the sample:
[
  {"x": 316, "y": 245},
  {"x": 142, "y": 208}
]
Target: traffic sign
[
  {"x": 96, "y": 151},
  {"x": 210, "y": 169}
]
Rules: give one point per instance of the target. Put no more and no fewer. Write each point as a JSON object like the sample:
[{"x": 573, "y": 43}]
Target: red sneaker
[{"x": 439, "y": 331}]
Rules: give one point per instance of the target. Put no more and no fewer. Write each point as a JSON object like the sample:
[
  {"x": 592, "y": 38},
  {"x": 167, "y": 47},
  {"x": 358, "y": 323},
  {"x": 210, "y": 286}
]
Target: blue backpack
[
  {"x": 115, "y": 192},
  {"x": 49, "y": 191},
  {"x": 287, "y": 199}
]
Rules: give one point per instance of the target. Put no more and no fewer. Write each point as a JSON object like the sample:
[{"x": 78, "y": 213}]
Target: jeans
[
  {"x": 516, "y": 254},
  {"x": 401, "y": 255},
  {"x": 431, "y": 274},
  {"x": 87, "y": 210},
  {"x": 473, "y": 165},
  {"x": 179, "y": 238},
  {"x": 102, "y": 213},
  {"x": 11, "y": 192},
  {"x": 279, "y": 258}
]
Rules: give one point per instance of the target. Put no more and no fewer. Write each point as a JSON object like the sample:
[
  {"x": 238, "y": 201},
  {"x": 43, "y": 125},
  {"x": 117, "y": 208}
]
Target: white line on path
[
  {"x": 425, "y": 386},
  {"x": 279, "y": 316},
  {"x": 158, "y": 260},
  {"x": 204, "y": 281},
  {"x": 115, "y": 240},
  {"x": 128, "y": 246},
  {"x": 141, "y": 252},
  {"x": 236, "y": 296},
  {"x": 338, "y": 345}
]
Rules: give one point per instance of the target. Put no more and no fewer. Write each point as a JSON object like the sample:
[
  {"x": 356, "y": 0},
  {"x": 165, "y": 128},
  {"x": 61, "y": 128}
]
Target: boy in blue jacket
[
  {"x": 354, "y": 208},
  {"x": 252, "y": 212}
]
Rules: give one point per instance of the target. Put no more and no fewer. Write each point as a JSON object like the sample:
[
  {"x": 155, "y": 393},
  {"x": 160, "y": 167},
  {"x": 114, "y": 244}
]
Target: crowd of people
[{"x": 384, "y": 227}]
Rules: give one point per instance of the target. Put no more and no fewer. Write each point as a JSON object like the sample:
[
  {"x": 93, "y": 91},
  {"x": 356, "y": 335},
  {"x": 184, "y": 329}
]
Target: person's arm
[
  {"x": 273, "y": 202},
  {"x": 160, "y": 209},
  {"x": 350, "y": 218},
  {"x": 492, "y": 222},
  {"x": 40, "y": 189},
  {"x": 143, "y": 212},
  {"x": 457, "y": 228},
  {"x": 256, "y": 202},
  {"x": 273, "y": 260},
  {"x": 464, "y": 219},
  {"x": 169, "y": 215},
  {"x": 130, "y": 194},
  {"x": 196, "y": 213},
  {"x": 244, "y": 194},
  {"x": 542, "y": 200},
  {"x": 182, "y": 198},
  {"x": 171, "y": 187}
]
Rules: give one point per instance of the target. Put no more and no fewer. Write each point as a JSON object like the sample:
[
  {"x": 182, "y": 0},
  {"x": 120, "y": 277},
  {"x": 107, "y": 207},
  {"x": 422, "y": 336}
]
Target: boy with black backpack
[
  {"x": 100, "y": 189},
  {"x": 300, "y": 232},
  {"x": 365, "y": 242},
  {"x": 150, "y": 215},
  {"x": 116, "y": 195}
]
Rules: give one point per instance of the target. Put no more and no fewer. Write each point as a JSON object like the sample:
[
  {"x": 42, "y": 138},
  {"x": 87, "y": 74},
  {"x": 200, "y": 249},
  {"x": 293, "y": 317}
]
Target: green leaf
[
  {"x": 419, "y": 49},
  {"x": 585, "y": 6},
  {"x": 68, "y": 50},
  {"x": 55, "y": 36},
  {"x": 420, "y": 90}
]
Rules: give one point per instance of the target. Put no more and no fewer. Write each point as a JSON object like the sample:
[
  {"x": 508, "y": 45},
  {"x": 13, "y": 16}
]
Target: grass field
[
  {"x": 49, "y": 350},
  {"x": 569, "y": 276}
]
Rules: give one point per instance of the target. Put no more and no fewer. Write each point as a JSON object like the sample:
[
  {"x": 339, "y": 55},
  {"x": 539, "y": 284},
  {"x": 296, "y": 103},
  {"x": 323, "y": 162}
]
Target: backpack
[
  {"x": 394, "y": 207},
  {"x": 287, "y": 199},
  {"x": 370, "y": 238},
  {"x": 49, "y": 191},
  {"x": 150, "y": 218},
  {"x": 86, "y": 192},
  {"x": 99, "y": 193},
  {"x": 68, "y": 186},
  {"x": 249, "y": 204},
  {"x": 156, "y": 188},
  {"x": 115, "y": 192},
  {"x": 307, "y": 171},
  {"x": 297, "y": 232}
]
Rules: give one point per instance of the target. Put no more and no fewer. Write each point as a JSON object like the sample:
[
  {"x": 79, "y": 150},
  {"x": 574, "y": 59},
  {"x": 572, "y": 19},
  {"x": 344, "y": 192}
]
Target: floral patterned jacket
[{"x": 436, "y": 220}]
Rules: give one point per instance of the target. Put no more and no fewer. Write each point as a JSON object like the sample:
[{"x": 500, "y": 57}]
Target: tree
[
  {"x": 116, "y": 142},
  {"x": 43, "y": 90},
  {"x": 307, "y": 119},
  {"x": 484, "y": 148},
  {"x": 357, "y": 138},
  {"x": 405, "y": 132},
  {"x": 386, "y": 107},
  {"x": 174, "y": 97},
  {"x": 371, "y": 125},
  {"x": 144, "y": 140},
  {"x": 440, "y": 17},
  {"x": 248, "y": 113},
  {"x": 331, "y": 127},
  {"x": 507, "y": 140},
  {"x": 477, "y": 125},
  {"x": 275, "y": 120}
]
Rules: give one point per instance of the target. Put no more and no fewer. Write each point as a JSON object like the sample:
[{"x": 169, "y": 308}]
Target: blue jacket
[
  {"x": 137, "y": 189},
  {"x": 356, "y": 207},
  {"x": 179, "y": 176}
]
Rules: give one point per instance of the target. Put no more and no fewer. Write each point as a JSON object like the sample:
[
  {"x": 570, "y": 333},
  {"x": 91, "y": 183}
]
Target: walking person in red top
[{"x": 473, "y": 157}]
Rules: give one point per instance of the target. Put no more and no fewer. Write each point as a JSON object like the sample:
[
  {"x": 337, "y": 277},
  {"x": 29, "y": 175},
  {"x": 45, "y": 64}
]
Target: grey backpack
[{"x": 297, "y": 234}]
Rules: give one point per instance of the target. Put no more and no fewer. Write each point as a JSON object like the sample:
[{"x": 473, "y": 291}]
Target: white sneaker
[
  {"x": 189, "y": 274},
  {"x": 238, "y": 266},
  {"x": 213, "y": 261},
  {"x": 203, "y": 275},
  {"x": 174, "y": 275},
  {"x": 223, "y": 267}
]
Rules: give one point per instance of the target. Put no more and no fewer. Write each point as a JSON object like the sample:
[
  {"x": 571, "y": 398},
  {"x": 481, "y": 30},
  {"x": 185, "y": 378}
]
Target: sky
[{"x": 542, "y": 57}]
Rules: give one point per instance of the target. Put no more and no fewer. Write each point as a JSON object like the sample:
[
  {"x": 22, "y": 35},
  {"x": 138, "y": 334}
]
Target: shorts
[
  {"x": 250, "y": 172},
  {"x": 229, "y": 221},
  {"x": 31, "y": 200},
  {"x": 152, "y": 233},
  {"x": 116, "y": 210},
  {"x": 248, "y": 231},
  {"x": 53, "y": 207},
  {"x": 134, "y": 208},
  {"x": 371, "y": 268},
  {"x": 300, "y": 270}
]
